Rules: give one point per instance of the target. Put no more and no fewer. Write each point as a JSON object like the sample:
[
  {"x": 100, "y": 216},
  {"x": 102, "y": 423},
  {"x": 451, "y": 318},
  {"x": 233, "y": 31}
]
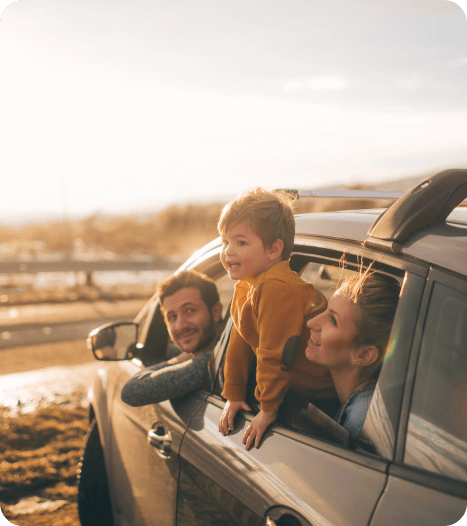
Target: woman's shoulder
[{"x": 352, "y": 414}]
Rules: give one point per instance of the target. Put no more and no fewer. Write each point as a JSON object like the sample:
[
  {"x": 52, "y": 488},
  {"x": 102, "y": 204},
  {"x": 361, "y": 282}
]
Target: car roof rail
[
  {"x": 429, "y": 202},
  {"x": 349, "y": 194}
]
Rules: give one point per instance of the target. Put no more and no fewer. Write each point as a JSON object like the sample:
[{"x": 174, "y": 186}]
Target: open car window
[{"x": 317, "y": 419}]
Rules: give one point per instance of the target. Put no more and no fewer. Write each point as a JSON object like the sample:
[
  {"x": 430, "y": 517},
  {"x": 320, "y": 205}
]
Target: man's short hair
[
  {"x": 270, "y": 214},
  {"x": 189, "y": 279}
]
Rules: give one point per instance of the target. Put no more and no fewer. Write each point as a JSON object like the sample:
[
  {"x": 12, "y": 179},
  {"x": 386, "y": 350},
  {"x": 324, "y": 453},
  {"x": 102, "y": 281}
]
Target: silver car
[{"x": 167, "y": 464}]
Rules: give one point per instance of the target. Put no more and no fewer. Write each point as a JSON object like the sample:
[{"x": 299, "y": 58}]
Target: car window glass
[
  {"x": 437, "y": 427},
  {"x": 325, "y": 278},
  {"x": 225, "y": 286},
  {"x": 302, "y": 412}
]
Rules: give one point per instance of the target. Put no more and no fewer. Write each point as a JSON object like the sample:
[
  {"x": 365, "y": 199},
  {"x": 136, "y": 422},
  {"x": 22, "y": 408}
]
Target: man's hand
[
  {"x": 258, "y": 426},
  {"x": 226, "y": 423}
]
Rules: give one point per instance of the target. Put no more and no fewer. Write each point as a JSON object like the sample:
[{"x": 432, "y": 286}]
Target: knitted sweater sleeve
[
  {"x": 280, "y": 321},
  {"x": 238, "y": 359},
  {"x": 164, "y": 382}
]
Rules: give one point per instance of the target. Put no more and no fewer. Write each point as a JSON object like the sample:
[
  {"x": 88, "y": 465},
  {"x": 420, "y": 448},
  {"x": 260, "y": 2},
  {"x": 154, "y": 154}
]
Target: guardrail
[
  {"x": 20, "y": 267},
  {"x": 85, "y": 267}
]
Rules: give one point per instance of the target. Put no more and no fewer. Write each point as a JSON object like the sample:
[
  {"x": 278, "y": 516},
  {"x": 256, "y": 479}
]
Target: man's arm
[{"x": 164, "y": 382}]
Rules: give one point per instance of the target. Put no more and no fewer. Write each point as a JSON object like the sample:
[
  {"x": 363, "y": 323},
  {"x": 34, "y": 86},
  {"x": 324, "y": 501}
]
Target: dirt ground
[
  {"x": 40, "y": 451},
  {"x": 39, "y": 455}
]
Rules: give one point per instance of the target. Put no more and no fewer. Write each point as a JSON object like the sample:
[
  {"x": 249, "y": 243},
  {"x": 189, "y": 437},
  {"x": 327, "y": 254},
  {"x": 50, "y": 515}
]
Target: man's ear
[
  {"x": 275, "y": 250},
  {"x": 366, "y": 355},
  {"x": 217, "y": 312}
]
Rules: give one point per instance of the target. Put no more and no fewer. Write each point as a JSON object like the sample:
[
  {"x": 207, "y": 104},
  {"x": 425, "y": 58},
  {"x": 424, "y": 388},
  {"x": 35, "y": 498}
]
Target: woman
[{"x": 350, "y": 337}]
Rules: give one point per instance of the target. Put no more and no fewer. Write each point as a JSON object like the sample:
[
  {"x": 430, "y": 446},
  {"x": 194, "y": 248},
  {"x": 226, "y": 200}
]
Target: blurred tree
[{"x": 57, "y": 236}]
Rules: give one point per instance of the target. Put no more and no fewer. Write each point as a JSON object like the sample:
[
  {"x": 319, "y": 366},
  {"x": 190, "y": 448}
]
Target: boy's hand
[
  {"x": 258, "y": 426},
  {"x": 228, "y": 414}
]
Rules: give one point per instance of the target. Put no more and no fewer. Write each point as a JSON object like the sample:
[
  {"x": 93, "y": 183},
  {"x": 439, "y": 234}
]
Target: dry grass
[{"x": 39, "y": 455}]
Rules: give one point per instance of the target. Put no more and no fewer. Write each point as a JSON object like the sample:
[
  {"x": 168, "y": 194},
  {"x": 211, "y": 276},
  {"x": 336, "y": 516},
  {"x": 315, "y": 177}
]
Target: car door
[
  {"x": 427, "y": 485},
  {"x": 144, "y": 442},
  {"x": 293, "y": 478},
  {"x": 144, "y": 446}
]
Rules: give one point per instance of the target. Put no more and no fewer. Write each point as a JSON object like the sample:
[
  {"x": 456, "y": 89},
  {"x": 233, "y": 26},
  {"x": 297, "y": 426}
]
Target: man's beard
[{"x": 208, "y": 333}]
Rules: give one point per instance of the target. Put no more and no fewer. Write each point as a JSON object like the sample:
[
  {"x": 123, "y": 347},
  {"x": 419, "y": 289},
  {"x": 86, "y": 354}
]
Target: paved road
[
  {"x": 46, "y": 323},
  {"x": 32, "y": 334}
]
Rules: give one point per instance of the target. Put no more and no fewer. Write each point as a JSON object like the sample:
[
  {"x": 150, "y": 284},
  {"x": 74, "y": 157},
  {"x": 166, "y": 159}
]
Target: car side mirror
[{"x": 113, "y": 342}]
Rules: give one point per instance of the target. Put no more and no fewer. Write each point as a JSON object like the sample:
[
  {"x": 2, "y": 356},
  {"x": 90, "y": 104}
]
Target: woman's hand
[
  {"x": 258, "y": 426},
  {"x": 226, "y": 423}
]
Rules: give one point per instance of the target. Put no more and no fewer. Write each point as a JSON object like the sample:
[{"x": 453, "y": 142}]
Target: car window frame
[
  {"x": 398, "y": 468},
  {"x": 322, "y": 250}
]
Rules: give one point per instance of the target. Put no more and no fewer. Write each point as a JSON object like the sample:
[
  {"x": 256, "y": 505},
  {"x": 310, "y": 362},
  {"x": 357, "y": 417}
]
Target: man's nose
[{"x": 180, "y": 323}]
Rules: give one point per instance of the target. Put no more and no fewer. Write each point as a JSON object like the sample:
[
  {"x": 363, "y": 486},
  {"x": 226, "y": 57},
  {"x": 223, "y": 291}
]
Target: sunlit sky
[{"x": 128, "y": 106}]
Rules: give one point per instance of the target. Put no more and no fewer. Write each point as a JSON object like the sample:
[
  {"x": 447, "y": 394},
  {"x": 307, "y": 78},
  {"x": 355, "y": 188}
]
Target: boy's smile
[{"x": 244, "y": 253}]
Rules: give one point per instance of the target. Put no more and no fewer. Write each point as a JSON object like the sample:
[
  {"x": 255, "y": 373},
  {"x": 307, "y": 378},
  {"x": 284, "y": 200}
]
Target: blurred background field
[{"x": 172, "y": 234}]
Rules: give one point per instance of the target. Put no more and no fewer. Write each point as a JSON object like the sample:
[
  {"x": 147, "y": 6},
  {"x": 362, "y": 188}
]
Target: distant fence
[
  {"x": 30, "y": 267},
  {"x": 86, "y": 267}
]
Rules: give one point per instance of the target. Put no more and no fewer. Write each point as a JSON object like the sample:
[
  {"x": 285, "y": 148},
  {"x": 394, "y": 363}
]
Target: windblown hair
[
  {"x": 270, "y": 214},
  {"x": 375, "y": 297},
  {"x": 189, "y": 279}
]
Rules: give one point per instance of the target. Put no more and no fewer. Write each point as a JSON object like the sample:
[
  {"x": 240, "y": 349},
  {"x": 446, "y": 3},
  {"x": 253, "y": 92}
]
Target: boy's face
[{"x": 243, "y": 252}]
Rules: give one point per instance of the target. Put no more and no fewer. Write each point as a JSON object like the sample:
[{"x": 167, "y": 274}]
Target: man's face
[{"x": 190, "y": 323}]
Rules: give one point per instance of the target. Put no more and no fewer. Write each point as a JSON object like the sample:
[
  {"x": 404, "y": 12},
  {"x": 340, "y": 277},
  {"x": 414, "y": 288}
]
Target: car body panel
[
  {"x": 420, "y": 505},
  {"x": 282, "y": 472},
  {"x": 147, "y": 483}
]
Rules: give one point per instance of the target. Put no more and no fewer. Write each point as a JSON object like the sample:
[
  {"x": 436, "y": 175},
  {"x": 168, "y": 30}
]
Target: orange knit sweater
[{"x": 269, "y": 312}]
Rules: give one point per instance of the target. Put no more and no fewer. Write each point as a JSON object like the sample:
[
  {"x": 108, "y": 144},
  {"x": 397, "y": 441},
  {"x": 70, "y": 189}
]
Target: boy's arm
[
  {"x": 231, "y": 408},
  {"x": 238, "y": 359},
  {"x": 280, "y": 320}
]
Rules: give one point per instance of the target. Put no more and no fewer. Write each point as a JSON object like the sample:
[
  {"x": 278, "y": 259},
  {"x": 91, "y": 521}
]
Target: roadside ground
[{"x": 44, "y": 414}]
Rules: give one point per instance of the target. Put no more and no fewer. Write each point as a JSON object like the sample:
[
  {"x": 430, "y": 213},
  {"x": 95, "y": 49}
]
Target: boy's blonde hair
[{"x": 269, "y": 213}]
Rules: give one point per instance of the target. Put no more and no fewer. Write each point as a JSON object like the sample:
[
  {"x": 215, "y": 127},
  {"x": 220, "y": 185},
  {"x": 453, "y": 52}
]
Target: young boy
[{"x": 269, "y": 307}]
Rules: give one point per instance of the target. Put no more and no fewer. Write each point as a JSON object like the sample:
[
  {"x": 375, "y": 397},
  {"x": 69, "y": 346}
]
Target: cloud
[
  {"x": 413, "y": 81},
  {"x": 319, "y": 83},
  {"x": 420, "y": 81},
  {"x": 461, "y": 61}
]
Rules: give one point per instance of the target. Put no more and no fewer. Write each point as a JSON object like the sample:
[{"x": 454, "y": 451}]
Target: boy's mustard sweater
[{"x": 269, "y": 312}]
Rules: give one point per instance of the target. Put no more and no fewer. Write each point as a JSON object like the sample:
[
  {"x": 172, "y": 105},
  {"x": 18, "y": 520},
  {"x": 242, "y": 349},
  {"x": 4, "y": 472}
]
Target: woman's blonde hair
[
  {"x": 270, "y": 214},
  {"x": 375, "y": 297}
]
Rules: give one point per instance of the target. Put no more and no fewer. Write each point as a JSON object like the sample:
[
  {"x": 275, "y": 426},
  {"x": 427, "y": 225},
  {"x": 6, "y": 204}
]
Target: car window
[
  {"x": 325, "y": 277},
  {"x": 437, "y": 428},
  {"x": 380, "y": 436},
  {"x": 296, "y": 412},
  {"x": 225, "y": 286}
]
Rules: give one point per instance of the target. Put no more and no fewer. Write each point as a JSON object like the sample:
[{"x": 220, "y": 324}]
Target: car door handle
[{"x": 161, "y": 439}]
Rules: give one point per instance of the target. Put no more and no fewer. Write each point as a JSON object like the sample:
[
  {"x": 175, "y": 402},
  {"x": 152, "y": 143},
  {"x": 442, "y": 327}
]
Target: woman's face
[{"x": 332, "y": 334}]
